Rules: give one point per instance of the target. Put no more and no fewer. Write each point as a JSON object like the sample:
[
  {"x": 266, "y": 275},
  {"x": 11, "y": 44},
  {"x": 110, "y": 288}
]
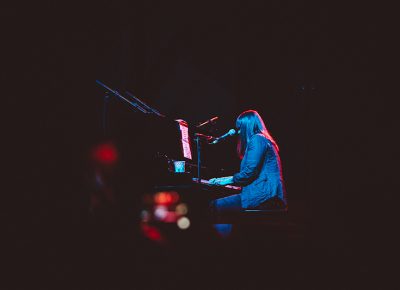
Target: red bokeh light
[
  {"x": 106, "y": 154},
  {"x": 152, "y": 233},
  {"x": 165, "y": 197}
]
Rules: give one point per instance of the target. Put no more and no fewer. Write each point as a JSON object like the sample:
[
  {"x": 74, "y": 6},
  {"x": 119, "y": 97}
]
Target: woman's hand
[{"x": 221, "y": 181}]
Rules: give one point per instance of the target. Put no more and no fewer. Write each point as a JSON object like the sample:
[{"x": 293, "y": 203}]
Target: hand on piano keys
[
  {"x": 215, "y": 182},
  {"x": 222, "y": 181}
]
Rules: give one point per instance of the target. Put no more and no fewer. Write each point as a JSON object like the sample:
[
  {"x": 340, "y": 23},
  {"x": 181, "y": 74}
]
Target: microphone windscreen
[{"x": 232, "y": 132}]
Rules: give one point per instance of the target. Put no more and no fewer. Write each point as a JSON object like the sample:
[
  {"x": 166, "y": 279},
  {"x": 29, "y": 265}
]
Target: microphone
[
  {"x": 231, "y": 132},
  {"x": 212, "y": 120}
]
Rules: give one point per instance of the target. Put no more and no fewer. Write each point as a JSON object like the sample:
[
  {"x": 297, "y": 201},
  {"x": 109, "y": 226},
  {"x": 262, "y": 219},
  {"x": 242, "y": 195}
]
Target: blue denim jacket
[{"x": 260, "y": 173}]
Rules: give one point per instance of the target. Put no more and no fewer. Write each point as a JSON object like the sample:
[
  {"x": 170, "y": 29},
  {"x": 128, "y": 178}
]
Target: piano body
[{"x": 149, "y": 144}]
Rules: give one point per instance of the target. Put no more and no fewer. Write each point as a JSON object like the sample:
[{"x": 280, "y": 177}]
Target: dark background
[{"x": 312, "y": 70}]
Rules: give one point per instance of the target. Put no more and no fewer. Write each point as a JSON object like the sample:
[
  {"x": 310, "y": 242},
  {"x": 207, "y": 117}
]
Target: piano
[{"x": 149, "y": 142}]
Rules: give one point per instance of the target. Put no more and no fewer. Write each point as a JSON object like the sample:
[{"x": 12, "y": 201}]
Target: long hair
[{"x": 250, "y": 123}]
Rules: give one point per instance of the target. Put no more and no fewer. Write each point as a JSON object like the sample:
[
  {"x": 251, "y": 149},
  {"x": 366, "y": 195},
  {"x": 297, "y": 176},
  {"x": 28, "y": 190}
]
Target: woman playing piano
[{"x": 260, "y": 174}]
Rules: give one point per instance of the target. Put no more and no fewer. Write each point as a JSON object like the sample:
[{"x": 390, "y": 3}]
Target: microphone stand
[{"x": 197, "y": 139}]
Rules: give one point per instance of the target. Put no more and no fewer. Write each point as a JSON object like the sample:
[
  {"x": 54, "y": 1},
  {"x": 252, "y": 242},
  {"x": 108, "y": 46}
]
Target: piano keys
[{"x": 207, "y": 183}]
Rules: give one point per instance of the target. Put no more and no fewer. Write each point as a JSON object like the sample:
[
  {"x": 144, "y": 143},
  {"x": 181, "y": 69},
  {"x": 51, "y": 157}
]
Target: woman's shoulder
[{"x": 259, "y": 137}]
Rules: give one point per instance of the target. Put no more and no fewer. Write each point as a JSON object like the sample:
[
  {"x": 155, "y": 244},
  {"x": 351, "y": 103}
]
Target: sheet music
[{"x": 187, "y": 153}]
